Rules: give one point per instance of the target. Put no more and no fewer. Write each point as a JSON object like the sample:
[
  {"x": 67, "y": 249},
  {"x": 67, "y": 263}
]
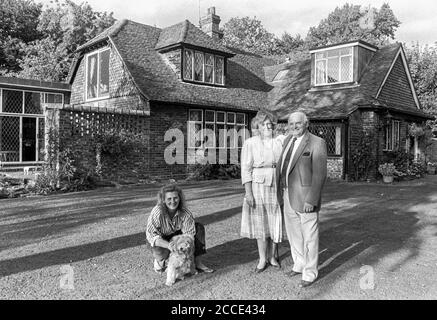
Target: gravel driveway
[{"x": 377, "y": 241}]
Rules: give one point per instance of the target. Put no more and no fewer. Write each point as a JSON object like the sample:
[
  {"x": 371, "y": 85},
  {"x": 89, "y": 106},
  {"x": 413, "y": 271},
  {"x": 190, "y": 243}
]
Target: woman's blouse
[
  {"x": 160, "y": 224},
  {"x": 257, "y": 158}
]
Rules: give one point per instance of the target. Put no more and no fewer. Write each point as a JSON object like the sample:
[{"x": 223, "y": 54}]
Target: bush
[
  {"x": 215, "y": 171},
  {"x": 387, "y": 169}
]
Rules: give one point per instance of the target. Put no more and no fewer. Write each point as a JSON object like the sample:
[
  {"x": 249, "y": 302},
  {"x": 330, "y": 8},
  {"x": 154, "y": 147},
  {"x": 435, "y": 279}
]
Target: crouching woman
[{"x": 171, "y": 217}]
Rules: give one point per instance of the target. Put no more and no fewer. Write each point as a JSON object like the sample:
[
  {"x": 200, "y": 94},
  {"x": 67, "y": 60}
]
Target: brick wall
[
  {"x": 335, "y": 168},
  {"x": 77, "y": 132}
]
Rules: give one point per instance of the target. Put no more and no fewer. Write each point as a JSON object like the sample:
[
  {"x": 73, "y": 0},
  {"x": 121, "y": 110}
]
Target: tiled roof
[
  {"x": 245, "y": 88},
  {"x": 294, "y": 92},
  {"x": 111, "y": 31},
  {"x": 187, "y": 33}
]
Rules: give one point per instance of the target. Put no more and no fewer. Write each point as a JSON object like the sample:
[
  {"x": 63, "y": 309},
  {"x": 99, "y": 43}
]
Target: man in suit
[{"x": 301, "y": 174}]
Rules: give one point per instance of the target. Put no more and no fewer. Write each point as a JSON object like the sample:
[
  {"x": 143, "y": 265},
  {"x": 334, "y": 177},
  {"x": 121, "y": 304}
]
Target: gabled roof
[
  {"x": 136, "y": 44},
  {"x": 295, "y": 93},
  {"x": 187, "y": 33}
]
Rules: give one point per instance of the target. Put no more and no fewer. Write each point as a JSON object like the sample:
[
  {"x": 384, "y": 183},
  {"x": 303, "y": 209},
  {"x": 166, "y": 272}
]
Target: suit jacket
[{"x": 307, "y": 173}]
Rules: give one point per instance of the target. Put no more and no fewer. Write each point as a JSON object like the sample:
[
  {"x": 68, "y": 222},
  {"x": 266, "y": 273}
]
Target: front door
[{"x": 29, "y": 139}]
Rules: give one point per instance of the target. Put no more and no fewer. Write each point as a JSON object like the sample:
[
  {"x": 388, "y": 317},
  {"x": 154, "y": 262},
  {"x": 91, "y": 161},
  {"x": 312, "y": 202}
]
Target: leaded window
[
  {"x": 334, "y": 66},
  {"x": 203, "y": 67},
  {"x": 392, "y": 135},
  {"x": 331, "y": 133}
]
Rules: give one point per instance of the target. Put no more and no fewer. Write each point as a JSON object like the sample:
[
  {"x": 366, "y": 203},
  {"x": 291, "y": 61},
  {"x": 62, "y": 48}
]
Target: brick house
[
  {"x": 22, "y": 119},
  {"x": 150, "y": 80},
  {"x": 347, "y": 89}
]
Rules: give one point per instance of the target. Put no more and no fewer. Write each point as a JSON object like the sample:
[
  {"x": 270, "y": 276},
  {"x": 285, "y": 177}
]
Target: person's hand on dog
[{"x": 172, "y": 246}]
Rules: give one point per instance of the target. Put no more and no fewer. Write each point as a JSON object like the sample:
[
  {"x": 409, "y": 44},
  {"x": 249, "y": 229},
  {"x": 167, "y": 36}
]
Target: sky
[{"x": 418, "y": 18}]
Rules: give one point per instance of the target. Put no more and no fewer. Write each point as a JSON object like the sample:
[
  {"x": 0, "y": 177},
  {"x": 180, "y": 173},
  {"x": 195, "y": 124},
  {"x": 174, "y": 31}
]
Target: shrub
[
  {"x": 387, "y": 169},
  {"x": 215, "y": 171}
]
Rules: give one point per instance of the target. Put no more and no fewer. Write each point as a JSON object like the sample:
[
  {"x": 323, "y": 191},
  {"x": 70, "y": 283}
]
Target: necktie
[{"x": 286, "y": 162}]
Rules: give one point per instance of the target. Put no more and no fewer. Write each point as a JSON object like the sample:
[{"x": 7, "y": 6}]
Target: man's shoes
[
  {"x": 304, "y": 284},
  {"x": 262, "y": 269},
  {"x": 293, "y": 273},
  {"x": 159, "y": 267},
  {"x": 204, "y": 269}
]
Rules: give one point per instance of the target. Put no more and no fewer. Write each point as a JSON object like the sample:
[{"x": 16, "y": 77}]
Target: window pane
[
  {"x": 41, "y": 139},
  {"x": 209, "y": 135},
  {"x": 10, "y": 138},
  {"x": 220, "y": 135},
  {"x": 92, "y": 76},
  {"x": 240, "y": 118},
  {"x": 188, "y": 64},
  {"x": 219, "y": 70},
  {"x": 231, "y": 117},
  {"x": 346, "y": 72},
  {"x": 104, "y": 73},
  {"x": 221, "y": 117},
  {"x": 321, "y": 55},
  {"x": 346, "y": 51},
  {"x": 231, "y": 136},
  {"x": 194, "y": 134},
  {"x": 333, "y": 53},
  {"x": 320, "y": 72},
  {"x": 240, "y": 136},
  {"x": 333, "y": 65},
  {"x": 195, "y": 115},
  {"x": 32, "y": 103},
  {"x": 198, "y": 66},
  {"x": 209, "y": 116},
  {"x": 209, "y": 67},
  {"x": 12, "y": 101}
]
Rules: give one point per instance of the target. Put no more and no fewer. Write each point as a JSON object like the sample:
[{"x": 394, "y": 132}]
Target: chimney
[{"x": 210, "y": 24}]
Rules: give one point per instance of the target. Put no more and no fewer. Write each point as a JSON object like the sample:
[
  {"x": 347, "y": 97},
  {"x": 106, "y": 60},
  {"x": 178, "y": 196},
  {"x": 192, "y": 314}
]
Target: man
[{"x": 301, "y": 174}]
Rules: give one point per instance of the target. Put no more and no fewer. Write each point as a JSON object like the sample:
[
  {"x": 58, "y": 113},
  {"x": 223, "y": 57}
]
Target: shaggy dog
[{"x": 181, "y": 260}]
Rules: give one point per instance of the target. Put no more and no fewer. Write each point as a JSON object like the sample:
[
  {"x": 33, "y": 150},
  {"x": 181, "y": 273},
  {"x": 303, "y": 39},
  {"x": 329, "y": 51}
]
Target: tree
[
  {"x": 423, "y": 66},
  {"x": 18, "y": 26},
  {"x": 64, "y": 26},
  {"x": 353, "y": 22},
  {"x": 249, "y": 34}
]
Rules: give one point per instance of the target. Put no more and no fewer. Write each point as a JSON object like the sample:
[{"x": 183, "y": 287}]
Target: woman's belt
[{"x": 266, "y": 166}]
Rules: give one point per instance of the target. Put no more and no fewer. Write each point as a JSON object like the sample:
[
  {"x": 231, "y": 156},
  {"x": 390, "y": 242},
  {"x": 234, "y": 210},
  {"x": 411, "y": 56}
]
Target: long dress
[{"x": 264, "y": 220}]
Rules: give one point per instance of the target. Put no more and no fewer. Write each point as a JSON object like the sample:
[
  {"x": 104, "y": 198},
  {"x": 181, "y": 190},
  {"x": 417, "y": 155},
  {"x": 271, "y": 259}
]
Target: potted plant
[
  {"x": 431, "y": 167},
  {"x": 388, "y": 171}
]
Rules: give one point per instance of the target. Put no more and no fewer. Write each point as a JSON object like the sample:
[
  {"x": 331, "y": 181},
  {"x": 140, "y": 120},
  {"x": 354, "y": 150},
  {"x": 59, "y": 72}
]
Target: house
[
  {"x": 349, "y": 91},
  {"x": 155, "y": 82},
  {"x": 22, "y": 119}
]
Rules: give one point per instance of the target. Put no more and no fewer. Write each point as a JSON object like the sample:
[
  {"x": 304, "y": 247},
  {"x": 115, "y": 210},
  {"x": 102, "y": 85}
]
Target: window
[
  {"x": 331, "y": 133},
  {"x": 53, "y": 98},
  {"x": 334, "y": 66},
  {"x": 221, "y": 129},
  {"x": 97, "y": 75},
  {"x": 392, "y": 135},
  {"x": 203, "y": 67},
  {"x": 280, "y": 75}
]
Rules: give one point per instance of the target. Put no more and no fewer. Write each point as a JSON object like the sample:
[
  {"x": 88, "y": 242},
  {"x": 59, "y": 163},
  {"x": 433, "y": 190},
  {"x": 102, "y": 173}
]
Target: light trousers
[{"x": 303, "y": 234}]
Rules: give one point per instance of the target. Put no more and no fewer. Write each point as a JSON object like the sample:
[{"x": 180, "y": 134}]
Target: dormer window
[
  {"x": 203, "y": 67},
  {"x": 97, "y": 75},
  {"x": 334, "y": 66}
]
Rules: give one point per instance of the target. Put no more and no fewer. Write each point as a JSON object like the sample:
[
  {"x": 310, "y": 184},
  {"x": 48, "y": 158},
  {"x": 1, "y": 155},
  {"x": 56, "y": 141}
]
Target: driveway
[{"x": 377, "y": 241}]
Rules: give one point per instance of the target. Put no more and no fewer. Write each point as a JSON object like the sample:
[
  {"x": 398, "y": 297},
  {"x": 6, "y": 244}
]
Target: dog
[{"x": 181, "y": 259}]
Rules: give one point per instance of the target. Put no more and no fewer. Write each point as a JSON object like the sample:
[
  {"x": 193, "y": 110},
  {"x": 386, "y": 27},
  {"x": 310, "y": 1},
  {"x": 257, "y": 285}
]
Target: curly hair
[
  {"x": 171, "y": 188},
  {"x": 265, "y": 115}
]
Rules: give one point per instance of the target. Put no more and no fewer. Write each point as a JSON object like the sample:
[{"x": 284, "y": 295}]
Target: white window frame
[
  {"x": 194, "y": 122},
  {"x": 213, "y": 122},
  {"x": 339, "y": 56},
  {"x": 98, "y": 52},
  {"x": 193, "y": 54},
  {"x": 392, "y": 136},
  {"x": 223, "y": 123}
]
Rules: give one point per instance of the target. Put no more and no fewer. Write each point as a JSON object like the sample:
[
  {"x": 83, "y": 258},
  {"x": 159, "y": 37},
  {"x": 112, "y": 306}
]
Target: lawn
[{"x": 368, "y": 230}]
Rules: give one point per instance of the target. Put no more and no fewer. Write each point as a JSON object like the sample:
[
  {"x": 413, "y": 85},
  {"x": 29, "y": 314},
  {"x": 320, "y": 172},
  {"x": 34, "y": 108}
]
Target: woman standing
[{"x": 261, "y": 218}]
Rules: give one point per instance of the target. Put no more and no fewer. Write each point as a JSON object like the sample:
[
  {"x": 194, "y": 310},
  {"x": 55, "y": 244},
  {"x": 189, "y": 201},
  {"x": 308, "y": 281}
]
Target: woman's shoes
[
  {"x": 275, "y": 265},
  {"x": 257, "y": 270},
  {"x": 204, "y": 269}
]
